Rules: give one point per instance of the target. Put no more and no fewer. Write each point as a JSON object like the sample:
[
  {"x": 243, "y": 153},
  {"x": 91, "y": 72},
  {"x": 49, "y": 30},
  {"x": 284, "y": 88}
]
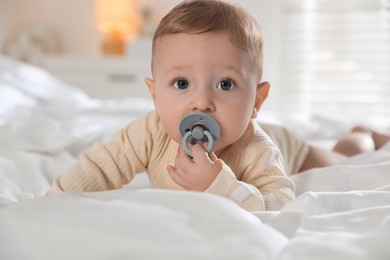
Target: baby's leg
[
  {"x": 318, "y": 157},
  {"x": 379, "y": 138},
  {"x": 360, "y": 140},
  {"x": 355, "y": 143}
]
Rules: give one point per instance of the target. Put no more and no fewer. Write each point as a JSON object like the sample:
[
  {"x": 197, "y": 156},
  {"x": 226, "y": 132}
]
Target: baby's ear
[
  {"x": 150, "y": 83},
  {"x": 261, "y": 95}
]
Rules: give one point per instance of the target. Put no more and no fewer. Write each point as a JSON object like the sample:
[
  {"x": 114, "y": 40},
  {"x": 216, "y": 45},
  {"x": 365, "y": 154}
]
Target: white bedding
[{"x": 341, "y": 212}]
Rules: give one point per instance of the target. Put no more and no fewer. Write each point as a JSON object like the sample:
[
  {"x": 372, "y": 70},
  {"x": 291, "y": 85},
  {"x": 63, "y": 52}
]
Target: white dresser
[{"x": 103, "y": 77}]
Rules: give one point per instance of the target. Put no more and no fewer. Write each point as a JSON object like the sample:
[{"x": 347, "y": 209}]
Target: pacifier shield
[{"x": 199, "y": 128}]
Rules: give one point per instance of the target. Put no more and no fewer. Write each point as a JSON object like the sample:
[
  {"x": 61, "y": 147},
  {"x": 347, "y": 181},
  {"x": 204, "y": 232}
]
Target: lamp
[{"x": 119, "y": 20}]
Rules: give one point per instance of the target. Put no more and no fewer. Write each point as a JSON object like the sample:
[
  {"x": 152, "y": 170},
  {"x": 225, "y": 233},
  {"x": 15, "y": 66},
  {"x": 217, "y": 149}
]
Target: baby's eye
[
  {"x": 181, "y": 84},
  {"x": 226, "y": 85}
]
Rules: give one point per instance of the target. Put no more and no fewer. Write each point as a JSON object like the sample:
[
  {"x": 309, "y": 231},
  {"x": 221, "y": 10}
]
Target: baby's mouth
[{"x": 199, "y": 128}]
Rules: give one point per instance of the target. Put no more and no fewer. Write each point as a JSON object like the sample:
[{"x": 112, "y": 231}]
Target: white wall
[
  {"x": 74, "y": 20},
  {"x": 12, "y": 15}
]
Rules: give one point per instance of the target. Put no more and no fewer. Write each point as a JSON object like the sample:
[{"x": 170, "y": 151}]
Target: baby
[{"x": 207, "y": 58}]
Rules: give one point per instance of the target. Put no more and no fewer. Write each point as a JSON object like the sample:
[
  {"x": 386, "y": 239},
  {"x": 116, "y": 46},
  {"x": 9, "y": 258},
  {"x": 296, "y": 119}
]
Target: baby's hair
[{"x": 215, "y": 16}]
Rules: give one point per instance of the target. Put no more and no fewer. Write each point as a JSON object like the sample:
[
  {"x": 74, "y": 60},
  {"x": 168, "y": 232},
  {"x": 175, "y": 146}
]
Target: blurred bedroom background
[{"x": 322, "y": 57}]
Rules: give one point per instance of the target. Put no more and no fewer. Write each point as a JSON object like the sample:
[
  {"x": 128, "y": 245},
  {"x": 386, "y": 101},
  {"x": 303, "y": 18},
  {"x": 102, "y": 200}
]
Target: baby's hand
[{"x": 195, "y": 174}]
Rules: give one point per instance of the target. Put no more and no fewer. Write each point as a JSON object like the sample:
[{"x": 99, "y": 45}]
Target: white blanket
[
  {"x": 123, "y": 224},
  {"x": 341, "y": 212}
]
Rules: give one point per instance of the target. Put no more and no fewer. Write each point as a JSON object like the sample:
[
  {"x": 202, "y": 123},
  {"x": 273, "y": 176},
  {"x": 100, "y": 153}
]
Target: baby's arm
[
  {"x": 244, "y": 194},
  {"x": 263, "y": 188},
  {"x": 266, "y": 174},
  {"x": 206, "y": 173},
  {"x": 107, "y": 166}
]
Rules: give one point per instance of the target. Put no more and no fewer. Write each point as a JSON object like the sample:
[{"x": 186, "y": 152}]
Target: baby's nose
[{"x": 203, "y": 101}]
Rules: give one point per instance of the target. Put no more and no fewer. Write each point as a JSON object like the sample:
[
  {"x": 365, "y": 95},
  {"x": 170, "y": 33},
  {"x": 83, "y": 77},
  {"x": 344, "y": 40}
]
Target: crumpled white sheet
[
  {"x": 143, "y": 224},
  {"x": 335, "y": 225},
  {"x": 341, "y": 212},
  {"x": 43, "y": 114},
  {"x": 25, "y": 175}
]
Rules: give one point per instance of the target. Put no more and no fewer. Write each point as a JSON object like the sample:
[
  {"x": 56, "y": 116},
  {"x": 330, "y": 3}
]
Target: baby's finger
[
  {"x": 183, "y": 160},
  {"x": 213, "y": 156},
  {"x": 174, "y": 176},
  {"x": 199, "y": 153},
  {"x": 182, "y": 157},
  {"x": 205, "y": 144}
]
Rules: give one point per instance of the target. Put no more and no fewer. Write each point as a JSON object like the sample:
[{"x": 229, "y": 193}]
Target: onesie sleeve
[
  {"x": 228, "y": 186},
  {"x": 263, "y": 186},
  {"x": 112, "y": 164}
]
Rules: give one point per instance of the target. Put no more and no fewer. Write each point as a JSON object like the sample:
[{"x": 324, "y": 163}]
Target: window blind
[{"x": 336, "y": 59}]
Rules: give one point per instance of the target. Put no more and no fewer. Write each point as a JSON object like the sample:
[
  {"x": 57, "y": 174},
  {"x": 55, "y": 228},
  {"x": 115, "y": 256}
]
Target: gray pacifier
[{"x": 198, "y": 128}]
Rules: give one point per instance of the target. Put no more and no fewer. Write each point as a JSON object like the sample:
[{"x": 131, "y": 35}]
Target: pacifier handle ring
[
  {"x": 210, "y": 142},
  {"x": 184, "y": 143},
  {"x": 199, "y": 126}
]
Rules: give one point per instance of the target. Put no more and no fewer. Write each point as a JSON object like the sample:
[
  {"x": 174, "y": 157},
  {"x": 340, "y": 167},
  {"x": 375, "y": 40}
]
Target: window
[{"x": 336, "y": 58}]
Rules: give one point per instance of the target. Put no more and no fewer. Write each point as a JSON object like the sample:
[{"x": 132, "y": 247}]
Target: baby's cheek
[
  {"x": 234, "y": 132},
  {"x": 174, "y": 133}
]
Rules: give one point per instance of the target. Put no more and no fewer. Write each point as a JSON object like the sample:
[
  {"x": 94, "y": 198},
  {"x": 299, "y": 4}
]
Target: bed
[{"x": 340, "y": 212}]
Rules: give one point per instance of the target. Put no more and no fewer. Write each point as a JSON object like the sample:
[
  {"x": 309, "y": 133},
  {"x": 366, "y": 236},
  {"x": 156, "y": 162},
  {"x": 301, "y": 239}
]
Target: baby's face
[{"x": 203, "y": 73}]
